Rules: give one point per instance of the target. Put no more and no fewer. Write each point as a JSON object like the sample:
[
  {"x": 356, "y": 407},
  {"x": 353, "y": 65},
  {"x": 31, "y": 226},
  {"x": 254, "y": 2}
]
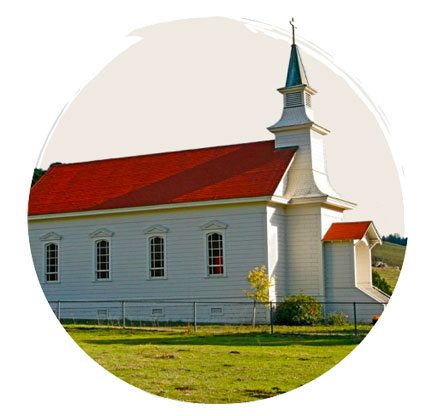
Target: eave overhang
[
  {"x": 297, "y": 88},
  {"x": 304, "y": 126}
]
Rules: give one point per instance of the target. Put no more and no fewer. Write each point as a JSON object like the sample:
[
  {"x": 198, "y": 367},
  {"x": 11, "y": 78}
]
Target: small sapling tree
[{"x": 260, "y": 283}]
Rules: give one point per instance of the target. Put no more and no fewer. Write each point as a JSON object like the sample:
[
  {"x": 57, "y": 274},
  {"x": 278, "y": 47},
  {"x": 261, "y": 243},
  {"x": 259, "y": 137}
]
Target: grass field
[
  {"x": 217, "y": 364},
  {"x": 393, "y": 255},
  {"x": 390, "y": 274}
]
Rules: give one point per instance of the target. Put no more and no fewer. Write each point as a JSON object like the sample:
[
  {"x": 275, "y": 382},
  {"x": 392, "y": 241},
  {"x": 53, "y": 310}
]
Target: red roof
[
  {"x": 347, "y": 231},
  {"x": 236, "y": 171}
]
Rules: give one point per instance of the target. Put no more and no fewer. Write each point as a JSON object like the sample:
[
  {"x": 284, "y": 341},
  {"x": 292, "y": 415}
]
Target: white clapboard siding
[
  {"x": 245, "y": 248},
  {"x": 277, "y": 256},
  {"x": 308, "y": 175},
  {"x": 305, "y": 272},
  {"x": 339, "y": 264},
  {"x": 328, "y": 217}
]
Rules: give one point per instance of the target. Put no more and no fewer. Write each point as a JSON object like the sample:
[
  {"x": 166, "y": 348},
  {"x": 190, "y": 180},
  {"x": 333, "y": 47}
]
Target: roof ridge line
[{"x": 160, "y": 153}]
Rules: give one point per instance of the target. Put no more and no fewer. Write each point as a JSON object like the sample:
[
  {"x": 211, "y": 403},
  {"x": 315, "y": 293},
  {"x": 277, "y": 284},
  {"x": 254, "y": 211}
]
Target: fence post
[
  {"x": 124, "y": 314},
  {"x": 254, "y": 314},
  {"x": 59, "y": 310},
  {"x": 355, "y": 318},
  {"x": 195, "y": 323},
  {"x": 270, "y": 317}
]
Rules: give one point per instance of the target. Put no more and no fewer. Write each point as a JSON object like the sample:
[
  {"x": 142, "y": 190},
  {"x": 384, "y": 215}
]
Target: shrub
[
  {"x": 375, "y": 319},
  {"x": 299, "y": 310},
  {"x": 260, "y": 283},
  {"x": 381, "y": 283},
  {"x": 336, "y": 318}
]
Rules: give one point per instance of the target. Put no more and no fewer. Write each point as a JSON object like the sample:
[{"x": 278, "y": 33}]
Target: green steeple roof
[{"x": 296, "y": 74}]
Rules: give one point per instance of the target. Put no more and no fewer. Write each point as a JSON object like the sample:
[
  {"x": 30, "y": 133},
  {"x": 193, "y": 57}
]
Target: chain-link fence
[{"x": 161, "y": 313}]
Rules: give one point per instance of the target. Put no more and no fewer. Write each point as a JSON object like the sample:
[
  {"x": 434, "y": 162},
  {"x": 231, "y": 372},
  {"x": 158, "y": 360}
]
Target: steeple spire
[
  {"x": 296, "y": 128},
  {"x": 292, "y": 23},
  {"x": 296, "y": 74}
]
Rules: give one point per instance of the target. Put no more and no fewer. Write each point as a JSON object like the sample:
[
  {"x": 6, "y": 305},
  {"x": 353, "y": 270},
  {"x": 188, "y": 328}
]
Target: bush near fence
[{"x": 299, "y": 310}]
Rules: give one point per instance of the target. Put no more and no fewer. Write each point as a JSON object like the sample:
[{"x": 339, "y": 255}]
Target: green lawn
[{"x": 217, "y": 364}]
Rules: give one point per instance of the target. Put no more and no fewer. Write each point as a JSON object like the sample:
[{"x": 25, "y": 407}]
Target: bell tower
[{"x": 297, "y": 128}]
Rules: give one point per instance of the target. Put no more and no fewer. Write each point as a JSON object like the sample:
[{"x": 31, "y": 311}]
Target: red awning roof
[
  {"x": 235, "y": 171},
  {"x": 347, "y": 231}
]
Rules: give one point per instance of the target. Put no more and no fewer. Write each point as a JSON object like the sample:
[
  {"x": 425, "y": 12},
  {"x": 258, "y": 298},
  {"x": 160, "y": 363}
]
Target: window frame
[
  {"x": 45, "y": 245},
  {"x": 207, "y": 254},
  {"x": 96, "y": 236},
  {"x": 151, "y": 232},
  {"x": 150, "y": 237},
  {"x": 95, "y": 242},
  {"x": 47, "y": 239}
]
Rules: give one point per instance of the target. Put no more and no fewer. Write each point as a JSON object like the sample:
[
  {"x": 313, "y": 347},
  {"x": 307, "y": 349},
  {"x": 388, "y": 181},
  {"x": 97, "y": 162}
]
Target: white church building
[{"x": 190, "y": 225}]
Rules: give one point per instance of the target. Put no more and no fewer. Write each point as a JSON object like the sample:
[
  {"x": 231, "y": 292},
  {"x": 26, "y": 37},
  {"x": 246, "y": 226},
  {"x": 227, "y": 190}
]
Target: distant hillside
[
  {"x": 389, "y": 253},
  {"x": 392, "y": 255}
]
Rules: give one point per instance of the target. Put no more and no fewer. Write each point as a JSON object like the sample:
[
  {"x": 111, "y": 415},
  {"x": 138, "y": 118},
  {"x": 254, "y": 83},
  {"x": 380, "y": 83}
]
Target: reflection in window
[
  {"x": 102, "y": 260},
  {"x": 51, "y": 262},
  {"x": 215, "y": 254},
  {"x": 156, "y": 250}
]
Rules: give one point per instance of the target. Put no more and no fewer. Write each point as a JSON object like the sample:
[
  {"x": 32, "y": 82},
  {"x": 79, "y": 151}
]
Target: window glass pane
[
  {"x": 51, "y": 262},
  {"x": 102, "y": 259},
  {"x": 215, "y": 254},
  {"x": 156, "y": 249}
]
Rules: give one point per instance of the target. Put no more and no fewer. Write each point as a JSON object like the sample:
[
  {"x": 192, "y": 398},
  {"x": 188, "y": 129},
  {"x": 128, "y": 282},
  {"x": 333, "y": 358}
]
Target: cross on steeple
[{"x": 292, "y": 23}]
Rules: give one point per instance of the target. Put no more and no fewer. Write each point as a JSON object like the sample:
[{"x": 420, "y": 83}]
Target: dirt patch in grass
[
  {"x": 264, "y": 394},
  {"x": 182, "y": 388},
  {"x": 167, "y": 356}
]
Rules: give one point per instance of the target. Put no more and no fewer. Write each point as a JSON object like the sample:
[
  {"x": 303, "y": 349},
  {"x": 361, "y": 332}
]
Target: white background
[{"x": 51, "y": 48}]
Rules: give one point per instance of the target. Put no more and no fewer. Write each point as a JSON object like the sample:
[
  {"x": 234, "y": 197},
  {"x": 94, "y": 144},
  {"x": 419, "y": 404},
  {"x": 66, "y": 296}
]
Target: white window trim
[
  {"x": 94, "y": 251},
  {"x": 45, "y": 244},
  {"x": 206, "y": 264},
  {"x": 153, "y": 231},
  {"x": 51, "y": 238},
  {"x": 214, "y": 225},
  {"x": 98, "y": 235},
  {"x": 148, "y": 257}
]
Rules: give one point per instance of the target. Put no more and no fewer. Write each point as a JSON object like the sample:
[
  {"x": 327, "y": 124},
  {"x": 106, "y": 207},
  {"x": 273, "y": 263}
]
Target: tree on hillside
[
  {"x": 381, "y": 283},
  {"x": 37, "y": 175},
  {"x": 395, "y": 239}
]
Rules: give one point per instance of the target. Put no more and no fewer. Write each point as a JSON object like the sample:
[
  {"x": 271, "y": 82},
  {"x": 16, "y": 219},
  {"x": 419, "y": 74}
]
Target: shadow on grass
[{"x": 263, "y": 340}]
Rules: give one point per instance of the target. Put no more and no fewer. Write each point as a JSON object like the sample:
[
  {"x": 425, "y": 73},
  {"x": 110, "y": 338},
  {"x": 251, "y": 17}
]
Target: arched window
[
  {"x": 157, "y": 257},
  {"x": 52, "y": 262},
  {"x": 102, "y": 260},
  {"x": 215, "y": 251}
]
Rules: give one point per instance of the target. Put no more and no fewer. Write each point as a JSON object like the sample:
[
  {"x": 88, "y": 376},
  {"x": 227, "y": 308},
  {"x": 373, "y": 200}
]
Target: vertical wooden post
[
  {"x": 59, "y": 310},
  {"x": 254, "y": 315},
  {"x": 270, "y": 317},
  {"x": 355, "y": 318},
  {"x": 124, "y": 313},
  {"x": 195, "y": 323}
]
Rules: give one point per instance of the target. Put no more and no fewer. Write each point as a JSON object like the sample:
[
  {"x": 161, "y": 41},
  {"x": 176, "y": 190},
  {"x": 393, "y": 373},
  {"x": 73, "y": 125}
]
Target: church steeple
[
  {"x": 296, "y": 128},
  {"x": 297, "y": 93},
  {"x": 296, "y": 74}
]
